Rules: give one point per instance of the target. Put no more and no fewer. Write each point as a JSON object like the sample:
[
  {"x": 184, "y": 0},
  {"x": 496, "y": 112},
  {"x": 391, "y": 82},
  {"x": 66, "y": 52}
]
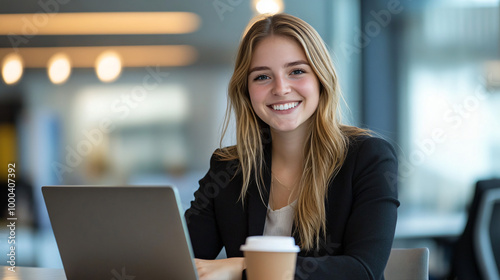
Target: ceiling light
[
  {"x": 131, "y": 56},
  {"x": 59, "y": 68},
  {"x": 12, "y": 68},
  {"x": 108, "y": 66},
  {"x": 268, "y": 6},
  {"x": 99, "y": 23}
]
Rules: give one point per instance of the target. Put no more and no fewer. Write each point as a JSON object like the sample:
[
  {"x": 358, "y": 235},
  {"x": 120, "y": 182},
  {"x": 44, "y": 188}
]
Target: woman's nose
[{"x": 281, "y": 86}]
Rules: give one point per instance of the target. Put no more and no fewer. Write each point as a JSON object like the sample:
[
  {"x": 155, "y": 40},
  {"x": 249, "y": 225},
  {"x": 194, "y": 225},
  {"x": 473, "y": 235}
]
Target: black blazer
[{"x": 361, "y": 210}]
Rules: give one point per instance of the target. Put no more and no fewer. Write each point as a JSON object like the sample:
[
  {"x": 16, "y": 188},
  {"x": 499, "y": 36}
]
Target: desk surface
[{"x": 31, "y": 273}]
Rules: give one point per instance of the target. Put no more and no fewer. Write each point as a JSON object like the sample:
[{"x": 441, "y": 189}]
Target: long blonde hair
[{"x": 327, "y": 143}]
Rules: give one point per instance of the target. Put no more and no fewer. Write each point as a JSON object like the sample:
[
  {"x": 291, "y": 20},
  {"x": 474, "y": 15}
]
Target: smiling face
[{"x": 283, "y": 88}]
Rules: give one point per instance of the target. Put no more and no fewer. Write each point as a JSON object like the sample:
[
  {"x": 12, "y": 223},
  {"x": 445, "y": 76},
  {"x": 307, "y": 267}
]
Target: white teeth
[{"x": 285, "y": 106}]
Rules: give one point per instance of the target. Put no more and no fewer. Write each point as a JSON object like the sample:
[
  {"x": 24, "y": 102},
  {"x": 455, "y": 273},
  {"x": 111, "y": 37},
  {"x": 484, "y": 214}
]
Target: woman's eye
[
  {"x": 297, "y": 72},
  {"x": 261, "y": 77}
]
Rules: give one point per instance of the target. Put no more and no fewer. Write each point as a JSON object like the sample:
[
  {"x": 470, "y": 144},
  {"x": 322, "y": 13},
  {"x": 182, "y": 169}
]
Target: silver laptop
[{"x": 122, "y": 232}]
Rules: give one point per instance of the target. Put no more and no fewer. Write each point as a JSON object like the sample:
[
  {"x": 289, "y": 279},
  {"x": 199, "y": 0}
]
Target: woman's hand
[{"x": 223, "y": 269}]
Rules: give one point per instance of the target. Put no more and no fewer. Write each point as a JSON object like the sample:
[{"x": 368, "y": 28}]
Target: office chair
[
  {"x": 408, "y": 264},
  {"x": 476, "y": 255},
  {"x": 487, "y": 235}
]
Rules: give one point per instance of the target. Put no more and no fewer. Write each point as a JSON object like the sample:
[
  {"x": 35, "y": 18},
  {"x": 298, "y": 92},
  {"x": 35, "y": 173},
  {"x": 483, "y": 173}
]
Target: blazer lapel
[{"x": 257, "y": 206}]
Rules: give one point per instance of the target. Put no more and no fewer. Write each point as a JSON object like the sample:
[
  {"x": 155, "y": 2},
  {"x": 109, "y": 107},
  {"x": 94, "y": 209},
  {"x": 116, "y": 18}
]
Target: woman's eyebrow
[
  {"x": 289, "y": 64},
  {"x": 295, "y": 63},
  {"x": 258, "y": 68}
]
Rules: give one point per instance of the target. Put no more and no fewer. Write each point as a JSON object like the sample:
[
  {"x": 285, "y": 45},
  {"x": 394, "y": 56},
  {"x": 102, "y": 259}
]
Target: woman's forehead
[{"x": 277, "y": 50}]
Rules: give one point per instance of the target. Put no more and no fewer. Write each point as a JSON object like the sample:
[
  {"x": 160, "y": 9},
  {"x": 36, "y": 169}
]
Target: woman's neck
[
  {"x": 287, "y": 166},
  {"x": 288, "y": 149}
]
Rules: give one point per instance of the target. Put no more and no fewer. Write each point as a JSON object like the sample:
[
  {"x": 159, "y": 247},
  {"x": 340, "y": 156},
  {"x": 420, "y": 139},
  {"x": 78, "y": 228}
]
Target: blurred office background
[{"x": 141, "y": 99}]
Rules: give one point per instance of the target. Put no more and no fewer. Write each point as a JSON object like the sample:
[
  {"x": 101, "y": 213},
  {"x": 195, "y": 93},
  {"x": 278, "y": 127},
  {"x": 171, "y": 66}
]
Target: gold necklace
[
  {"x": 282, "y": 185},
  {"x": 290, "y": 190}
]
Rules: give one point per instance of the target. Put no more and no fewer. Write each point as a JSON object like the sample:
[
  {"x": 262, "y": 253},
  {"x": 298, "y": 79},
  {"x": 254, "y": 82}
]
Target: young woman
[{"x": 295, "y": 170}]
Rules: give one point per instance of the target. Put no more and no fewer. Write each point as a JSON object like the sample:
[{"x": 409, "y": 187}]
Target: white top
[{"x": 279, "y": 222}]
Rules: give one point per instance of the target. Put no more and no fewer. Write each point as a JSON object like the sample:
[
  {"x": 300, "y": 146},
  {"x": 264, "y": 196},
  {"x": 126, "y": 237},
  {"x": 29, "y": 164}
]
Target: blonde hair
[{"x": 327, "y": 143}]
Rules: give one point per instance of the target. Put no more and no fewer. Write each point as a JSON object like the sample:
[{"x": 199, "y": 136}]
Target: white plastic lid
[{"x": 285, "y": 244}]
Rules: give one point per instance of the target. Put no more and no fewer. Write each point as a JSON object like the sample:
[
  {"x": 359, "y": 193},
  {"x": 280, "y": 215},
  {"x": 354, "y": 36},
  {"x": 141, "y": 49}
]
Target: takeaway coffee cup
[{"x": 270, "y": 257}]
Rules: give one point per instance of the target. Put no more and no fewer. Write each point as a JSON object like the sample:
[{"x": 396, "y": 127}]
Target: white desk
[
  {"x": 430, "y": 225},
  {"x": 31, "y": 273}
]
